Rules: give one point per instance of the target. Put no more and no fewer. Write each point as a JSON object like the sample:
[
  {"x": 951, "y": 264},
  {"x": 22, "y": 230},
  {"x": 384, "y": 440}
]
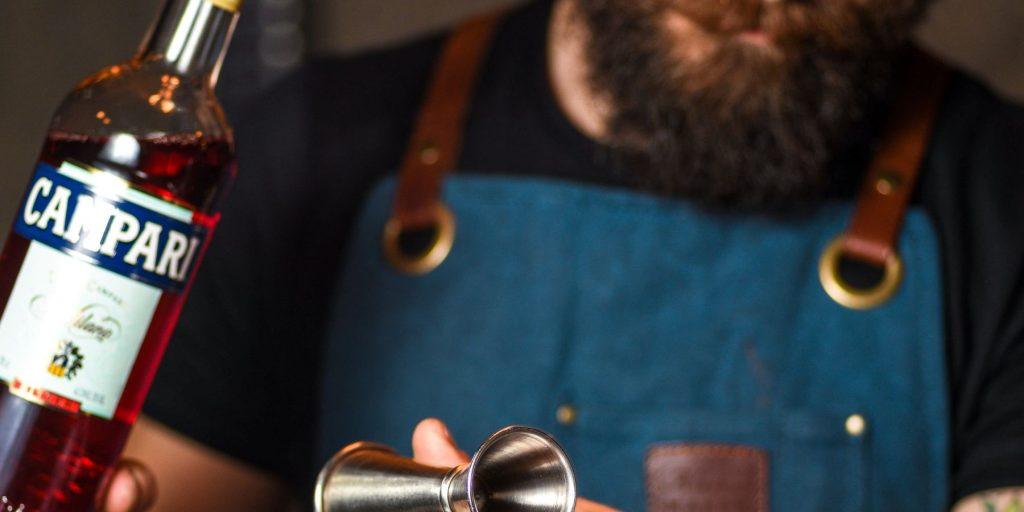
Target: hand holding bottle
[{"x": 132, "y": 488}]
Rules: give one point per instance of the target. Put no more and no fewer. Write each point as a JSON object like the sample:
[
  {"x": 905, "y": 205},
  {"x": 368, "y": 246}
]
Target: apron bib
[
  {"x": 656, "y": 323},
  {"x": 646, "y": 334}
]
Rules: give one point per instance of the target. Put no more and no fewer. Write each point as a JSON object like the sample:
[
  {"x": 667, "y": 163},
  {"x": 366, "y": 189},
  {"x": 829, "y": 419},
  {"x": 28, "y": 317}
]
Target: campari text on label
[{"x": 122, "y": 230}]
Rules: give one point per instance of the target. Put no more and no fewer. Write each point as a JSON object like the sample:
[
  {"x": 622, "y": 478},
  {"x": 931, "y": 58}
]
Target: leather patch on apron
[{"x": 706, "y": 477}]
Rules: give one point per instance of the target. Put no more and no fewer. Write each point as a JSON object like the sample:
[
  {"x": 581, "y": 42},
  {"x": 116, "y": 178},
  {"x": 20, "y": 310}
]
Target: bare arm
[
  {"x": 998, "y": 500},
  {"x": 194, "y": 478}
]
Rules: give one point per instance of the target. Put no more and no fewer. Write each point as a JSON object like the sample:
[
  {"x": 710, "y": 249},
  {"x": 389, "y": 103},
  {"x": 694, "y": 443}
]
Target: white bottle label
[
  {"x": 100, "y": 257},
  {"x": 72, "y": 330}
]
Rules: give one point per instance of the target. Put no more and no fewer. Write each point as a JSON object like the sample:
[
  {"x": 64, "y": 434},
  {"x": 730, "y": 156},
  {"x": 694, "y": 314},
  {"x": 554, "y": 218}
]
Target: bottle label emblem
[{"x": 100, "y": 256}]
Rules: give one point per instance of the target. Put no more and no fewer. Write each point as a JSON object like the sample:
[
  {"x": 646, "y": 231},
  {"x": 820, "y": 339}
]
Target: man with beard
[{"x": 656, "y": 246}]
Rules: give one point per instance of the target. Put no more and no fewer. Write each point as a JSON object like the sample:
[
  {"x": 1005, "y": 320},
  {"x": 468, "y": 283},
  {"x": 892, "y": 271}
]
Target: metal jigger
[{"x": 516, "y": 469}]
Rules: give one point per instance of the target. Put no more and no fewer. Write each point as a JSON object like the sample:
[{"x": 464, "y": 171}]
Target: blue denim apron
[
  {"x": 659, "y": 323},
  {"x": 620, "y": 322}
]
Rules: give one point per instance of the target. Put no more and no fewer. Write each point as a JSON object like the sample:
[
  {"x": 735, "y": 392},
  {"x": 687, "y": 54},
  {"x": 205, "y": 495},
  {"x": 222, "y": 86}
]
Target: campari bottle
[{"x": 105, "y": 243}]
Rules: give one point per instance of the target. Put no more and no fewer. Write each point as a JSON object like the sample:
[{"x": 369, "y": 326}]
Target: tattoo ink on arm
[{"x": 998, "y": 500}]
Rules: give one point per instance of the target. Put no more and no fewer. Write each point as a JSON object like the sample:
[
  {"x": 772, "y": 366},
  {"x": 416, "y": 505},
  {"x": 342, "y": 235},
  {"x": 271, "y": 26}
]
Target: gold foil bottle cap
[{"x": 227, "y": 5}]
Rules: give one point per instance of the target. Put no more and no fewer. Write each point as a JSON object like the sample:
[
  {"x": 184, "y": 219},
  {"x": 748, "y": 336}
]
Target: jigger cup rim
[{"x": 563, "y": 458}]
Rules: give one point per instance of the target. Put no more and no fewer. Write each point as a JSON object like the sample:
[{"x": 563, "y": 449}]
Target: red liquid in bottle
[{"x": 63, "y": 457}]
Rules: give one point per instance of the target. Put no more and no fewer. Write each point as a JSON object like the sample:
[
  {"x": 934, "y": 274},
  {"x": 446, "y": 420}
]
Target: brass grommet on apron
[
  {"x": 850, "y": 296},
  {"x": 872, "y": 235},
  {"x": 855, "y": 425},
  {"x": 428, "y": 259},
  {"x": 566, "y": 414},
  {"x": 434, "y": 150}
]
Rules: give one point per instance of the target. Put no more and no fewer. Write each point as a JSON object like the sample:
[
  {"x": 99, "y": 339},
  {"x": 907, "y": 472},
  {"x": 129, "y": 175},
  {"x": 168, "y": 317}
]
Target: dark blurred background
[{"x": 47, "y": 45}]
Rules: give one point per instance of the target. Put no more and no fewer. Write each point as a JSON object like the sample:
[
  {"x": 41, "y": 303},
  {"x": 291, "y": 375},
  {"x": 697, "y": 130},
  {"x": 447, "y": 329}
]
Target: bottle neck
[{"x": 191, "y": 37}]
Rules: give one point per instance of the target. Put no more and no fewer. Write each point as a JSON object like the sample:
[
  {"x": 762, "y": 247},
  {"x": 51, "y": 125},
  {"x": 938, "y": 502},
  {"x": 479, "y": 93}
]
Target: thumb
[
  {"x": 583, "y": 505},
  {"x": 132, "y": 488},
  {"x": 433, "y": 445}
]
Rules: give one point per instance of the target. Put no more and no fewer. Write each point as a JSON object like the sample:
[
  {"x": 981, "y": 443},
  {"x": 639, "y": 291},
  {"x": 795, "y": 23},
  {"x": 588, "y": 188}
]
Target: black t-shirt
[{"x": 241, "y": 373}]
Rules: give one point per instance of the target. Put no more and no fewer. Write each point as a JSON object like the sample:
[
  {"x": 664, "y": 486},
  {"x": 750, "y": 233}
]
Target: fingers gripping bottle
[{"x": 105, "y": 243}]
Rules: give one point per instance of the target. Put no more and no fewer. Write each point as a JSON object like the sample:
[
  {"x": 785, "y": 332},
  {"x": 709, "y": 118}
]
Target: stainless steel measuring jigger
[{"x": 516, "y": 469}]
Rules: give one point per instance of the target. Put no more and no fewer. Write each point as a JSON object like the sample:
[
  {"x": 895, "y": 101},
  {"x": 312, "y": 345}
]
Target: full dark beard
[{"x": 741, "y": 125}]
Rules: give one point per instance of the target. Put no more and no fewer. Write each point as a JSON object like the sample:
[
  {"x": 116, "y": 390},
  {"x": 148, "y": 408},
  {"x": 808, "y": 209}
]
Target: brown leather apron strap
[
  {"x": 437, "y": 138},
  {"x": 873, "y": 233},
  {"x": 874, "y": 229},
  {"x": 871, "y": 237}
]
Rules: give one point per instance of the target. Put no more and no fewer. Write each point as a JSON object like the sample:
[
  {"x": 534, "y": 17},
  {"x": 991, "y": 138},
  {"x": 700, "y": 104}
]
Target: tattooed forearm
[{"x": 999, "y": 500}]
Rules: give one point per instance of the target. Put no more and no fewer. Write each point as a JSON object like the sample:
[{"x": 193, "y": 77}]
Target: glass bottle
[{"x": 105, "y": 243}]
